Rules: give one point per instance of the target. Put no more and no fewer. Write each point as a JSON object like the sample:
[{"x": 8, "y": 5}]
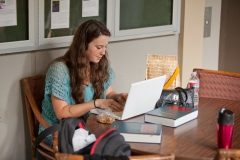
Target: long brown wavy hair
[{"x": 78, "y": 63}]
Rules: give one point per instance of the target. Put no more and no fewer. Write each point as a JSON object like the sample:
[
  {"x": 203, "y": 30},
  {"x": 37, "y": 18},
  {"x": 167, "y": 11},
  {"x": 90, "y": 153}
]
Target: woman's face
[{"x": 97, "y": 48}]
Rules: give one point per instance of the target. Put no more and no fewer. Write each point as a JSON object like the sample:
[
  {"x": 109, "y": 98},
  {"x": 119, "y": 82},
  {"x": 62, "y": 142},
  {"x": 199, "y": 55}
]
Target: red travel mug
[{"x": 225, "y": 128}]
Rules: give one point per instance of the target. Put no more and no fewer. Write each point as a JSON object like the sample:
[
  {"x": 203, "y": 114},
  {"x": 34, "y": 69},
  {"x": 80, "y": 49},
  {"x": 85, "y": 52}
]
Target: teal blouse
[{"x": 58, "y": 83}]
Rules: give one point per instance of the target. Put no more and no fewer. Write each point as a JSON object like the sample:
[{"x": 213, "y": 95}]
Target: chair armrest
[
  {"x": 44, "y": 145},
  {"x": 227, "y": 154},
  {"x": 62, "y": 156},
  {"x": 170, "y": 156},
  {"x": 37, "y": 113},
  {"x": 55, "y": 142},
  {"x": 46, "y": 155}
]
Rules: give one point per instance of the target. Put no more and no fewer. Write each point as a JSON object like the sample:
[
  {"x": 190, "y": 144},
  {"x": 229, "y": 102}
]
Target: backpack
[{"x": 110, "y": 143}]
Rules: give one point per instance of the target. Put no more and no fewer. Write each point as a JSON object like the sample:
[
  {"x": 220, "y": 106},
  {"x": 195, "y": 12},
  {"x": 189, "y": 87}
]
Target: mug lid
[{"x": 225, "y": 117}]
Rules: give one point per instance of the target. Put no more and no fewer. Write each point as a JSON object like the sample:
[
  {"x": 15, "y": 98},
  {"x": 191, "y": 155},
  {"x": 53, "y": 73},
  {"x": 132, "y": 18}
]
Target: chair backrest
[
  {"x": 33, "y": 90},
  {"x": 228, "y": 154},
  {"x": 219, "y": 84},
  {"x": 171, "y": 156},
  {"x": 158, "y": 65}
]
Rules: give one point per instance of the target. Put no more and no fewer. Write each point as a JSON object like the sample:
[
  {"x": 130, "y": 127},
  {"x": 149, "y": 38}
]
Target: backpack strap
[
  {"x": 45, "y": 133},
  {"x": 100, "y": 138},
  {"x": 111, "y": 143},
  {"x": 66, "y": 128}
]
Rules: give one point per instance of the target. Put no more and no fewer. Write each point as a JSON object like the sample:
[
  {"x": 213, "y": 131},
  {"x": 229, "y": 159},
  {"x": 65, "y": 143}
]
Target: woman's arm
[{"x": 63, "y": 110}]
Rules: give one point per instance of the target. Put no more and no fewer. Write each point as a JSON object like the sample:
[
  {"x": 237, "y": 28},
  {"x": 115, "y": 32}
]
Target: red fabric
[{"x": 81, "y": 125}]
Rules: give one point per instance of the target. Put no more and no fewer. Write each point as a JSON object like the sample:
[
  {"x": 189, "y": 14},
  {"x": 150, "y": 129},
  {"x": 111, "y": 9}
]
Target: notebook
[{"x": 142, "y": 97}]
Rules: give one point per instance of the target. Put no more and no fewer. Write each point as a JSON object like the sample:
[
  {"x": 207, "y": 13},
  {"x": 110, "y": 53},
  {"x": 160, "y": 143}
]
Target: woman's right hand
[{"x": 108, "y": 103}]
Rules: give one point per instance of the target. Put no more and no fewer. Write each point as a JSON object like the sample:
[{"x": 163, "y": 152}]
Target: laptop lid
[{"x": 143, "y": 96}]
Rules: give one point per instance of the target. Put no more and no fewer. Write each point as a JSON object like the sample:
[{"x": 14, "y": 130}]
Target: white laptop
[{"x": 142, "y": 98}]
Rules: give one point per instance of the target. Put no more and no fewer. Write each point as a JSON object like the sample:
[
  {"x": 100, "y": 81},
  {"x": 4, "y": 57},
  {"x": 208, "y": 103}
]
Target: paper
[
  {"x": 8, "y": 13},
  {"x": 90, "y": 8},
  {"x": 60, "y": 14},
  {"x": 81, "y": 139}
]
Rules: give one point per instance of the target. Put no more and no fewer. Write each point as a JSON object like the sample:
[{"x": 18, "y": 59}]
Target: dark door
[{"x": 229, "y": 44}]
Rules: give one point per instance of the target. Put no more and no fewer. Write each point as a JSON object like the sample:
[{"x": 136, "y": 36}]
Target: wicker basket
[{"x": 158, "y": 65}]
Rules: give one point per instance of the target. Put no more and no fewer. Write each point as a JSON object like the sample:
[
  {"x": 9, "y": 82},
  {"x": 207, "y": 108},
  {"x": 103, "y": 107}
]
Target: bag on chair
[{"x": 110, "y": 143}]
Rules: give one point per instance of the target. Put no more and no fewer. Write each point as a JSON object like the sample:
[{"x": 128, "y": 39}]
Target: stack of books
[
  {"x": 172, "y": 116},
  {"x": 151, "y": 130}
]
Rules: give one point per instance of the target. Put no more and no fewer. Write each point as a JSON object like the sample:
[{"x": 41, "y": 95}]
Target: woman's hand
[
  {"x": 108, "y": 103},
  {"x": 122, "y": 98},
  {"x": 119, "y": 99}
]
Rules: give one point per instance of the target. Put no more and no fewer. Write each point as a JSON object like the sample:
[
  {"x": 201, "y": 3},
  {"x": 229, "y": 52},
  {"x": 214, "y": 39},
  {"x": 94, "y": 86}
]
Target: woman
[{"x": 81, "y": 79}]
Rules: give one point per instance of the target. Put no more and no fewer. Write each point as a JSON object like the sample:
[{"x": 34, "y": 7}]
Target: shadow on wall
[{"x": 44, "y": 58}]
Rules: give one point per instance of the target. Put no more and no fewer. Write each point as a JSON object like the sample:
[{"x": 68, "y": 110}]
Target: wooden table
[{"x": 197, "y": 138}]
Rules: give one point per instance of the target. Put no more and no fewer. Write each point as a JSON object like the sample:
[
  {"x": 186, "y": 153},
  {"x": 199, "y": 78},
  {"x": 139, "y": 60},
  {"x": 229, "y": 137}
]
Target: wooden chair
[
  {"x": 219, "y": 84},
  {"x": 158, "y": 65},
  {"x": 228, "y": 154},
  {"x": 63, "y": 156},
  {"x": 33, "y": 90}
]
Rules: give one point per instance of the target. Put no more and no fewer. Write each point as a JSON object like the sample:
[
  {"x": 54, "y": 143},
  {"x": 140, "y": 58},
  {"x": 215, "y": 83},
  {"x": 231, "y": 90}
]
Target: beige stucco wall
[{"x": 191, "y": 37}]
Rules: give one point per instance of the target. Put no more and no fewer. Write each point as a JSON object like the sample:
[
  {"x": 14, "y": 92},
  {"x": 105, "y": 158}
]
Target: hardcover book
[
  {"x": 187, "y": 127},
  {"x": 139, "y": 132},
  {"x": 172, "y": 115}
]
